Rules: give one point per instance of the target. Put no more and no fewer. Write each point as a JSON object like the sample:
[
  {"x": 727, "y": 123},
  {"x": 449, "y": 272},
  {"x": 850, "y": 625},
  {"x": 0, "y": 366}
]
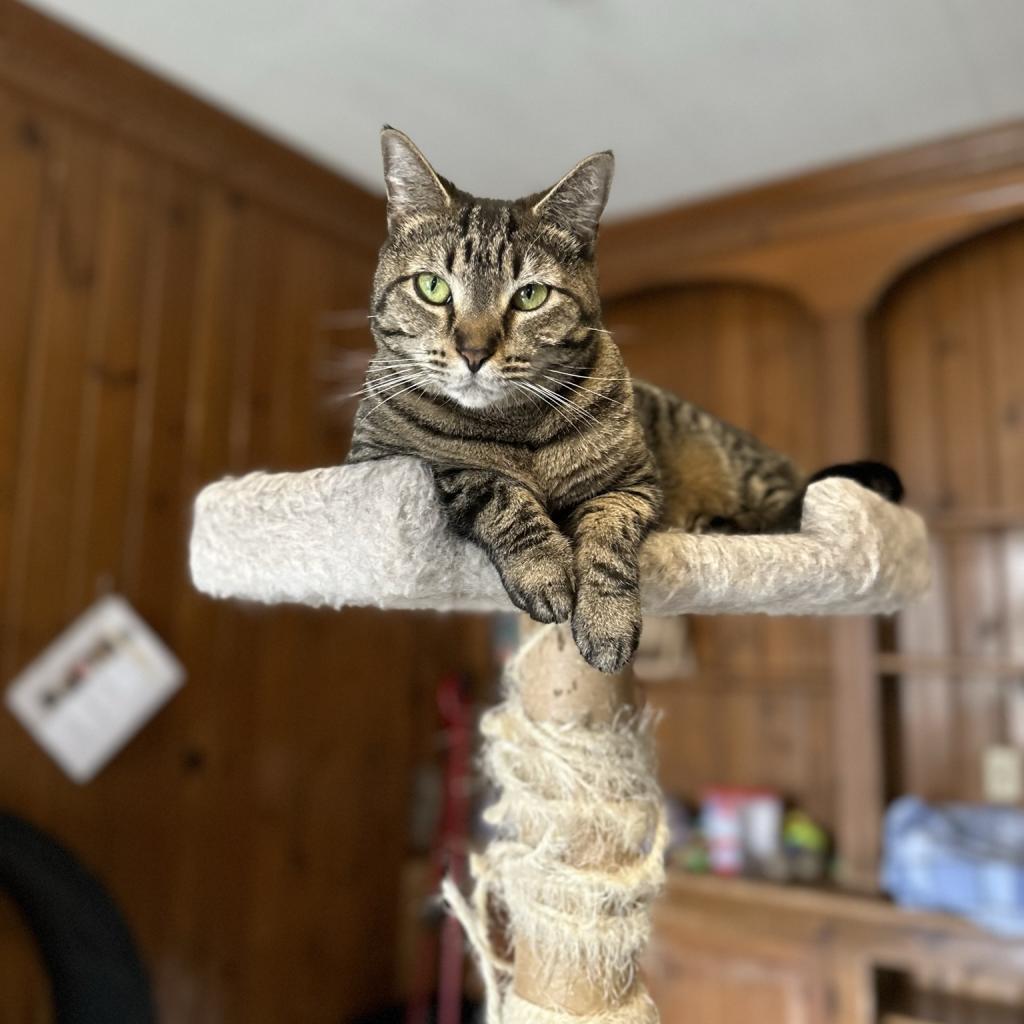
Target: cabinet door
[{"x": 693, "y": 985}]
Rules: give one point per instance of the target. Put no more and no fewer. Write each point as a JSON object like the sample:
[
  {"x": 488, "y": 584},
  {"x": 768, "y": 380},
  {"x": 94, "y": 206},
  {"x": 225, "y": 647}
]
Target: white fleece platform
[{"x": 372, "y": 534}]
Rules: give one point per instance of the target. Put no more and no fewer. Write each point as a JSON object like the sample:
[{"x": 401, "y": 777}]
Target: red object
[
  {"x": 448, "y": 856},
  {"x": 722, "y": 819}
]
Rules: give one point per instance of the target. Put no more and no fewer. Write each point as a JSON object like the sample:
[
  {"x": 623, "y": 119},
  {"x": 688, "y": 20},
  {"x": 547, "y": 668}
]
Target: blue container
[{"x": 961, "y": 858}]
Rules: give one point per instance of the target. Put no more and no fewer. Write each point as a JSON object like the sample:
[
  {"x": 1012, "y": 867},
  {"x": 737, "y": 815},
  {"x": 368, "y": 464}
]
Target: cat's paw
[
  {"x": 606, "y": 629},
  {"x": 543, "y": 584}
]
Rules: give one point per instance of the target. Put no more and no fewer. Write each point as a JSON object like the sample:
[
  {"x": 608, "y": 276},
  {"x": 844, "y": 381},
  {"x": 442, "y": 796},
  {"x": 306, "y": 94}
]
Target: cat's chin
[
  {"x": 475, "y": 398},
  {"x": 474, "y": 395}
]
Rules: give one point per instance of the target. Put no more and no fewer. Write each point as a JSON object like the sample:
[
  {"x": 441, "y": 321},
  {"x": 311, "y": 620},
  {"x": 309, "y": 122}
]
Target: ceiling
[{"x": 695, "y": 96}]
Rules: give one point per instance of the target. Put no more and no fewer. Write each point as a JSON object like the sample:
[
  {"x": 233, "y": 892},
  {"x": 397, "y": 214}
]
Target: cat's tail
[{"x": 875, "y": 476}]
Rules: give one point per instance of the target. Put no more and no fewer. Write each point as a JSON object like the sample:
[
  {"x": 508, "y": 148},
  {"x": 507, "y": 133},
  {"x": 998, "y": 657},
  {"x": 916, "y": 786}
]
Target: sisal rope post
[{"x": 578, "y": 854}]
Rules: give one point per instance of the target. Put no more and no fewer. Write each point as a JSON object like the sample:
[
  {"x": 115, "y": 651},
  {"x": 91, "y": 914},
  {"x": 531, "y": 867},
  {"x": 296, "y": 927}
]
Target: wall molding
[{"x": 836, "y": 238}]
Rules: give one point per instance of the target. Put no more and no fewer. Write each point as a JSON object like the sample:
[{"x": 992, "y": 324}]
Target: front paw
[
  {"x": 544, "y": 583},
  {"x": 606, "y": 629}
]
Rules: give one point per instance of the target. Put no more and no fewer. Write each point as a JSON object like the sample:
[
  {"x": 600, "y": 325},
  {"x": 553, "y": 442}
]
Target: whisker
[
  {"x": 564, "y": 400},
  {"x": 586, "y": 391},
  {"x": 383, "y": 387},
  {"x": 389, "y": 382},
  {"x": 392, "y": 397},
  {"x": 569, "y": 410},
  {"x": 517, "y": 384},
  {"x": 539, "y": 391},
  {"x": 410, "y": 372},
  {"x": 366, "y": 391},
  {"x": 584, "y": 376},
  {"x": 343, "y": 319},
  {"x": 388, "y": 363}
]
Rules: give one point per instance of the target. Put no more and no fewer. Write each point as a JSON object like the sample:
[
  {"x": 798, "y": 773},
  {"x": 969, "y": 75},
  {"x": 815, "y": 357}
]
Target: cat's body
[{"x": 494, "y": 368}]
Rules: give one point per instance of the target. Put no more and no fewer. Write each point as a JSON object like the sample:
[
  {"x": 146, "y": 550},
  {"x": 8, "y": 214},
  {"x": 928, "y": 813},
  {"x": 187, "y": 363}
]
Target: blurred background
[{"x": 816, "y": 231}]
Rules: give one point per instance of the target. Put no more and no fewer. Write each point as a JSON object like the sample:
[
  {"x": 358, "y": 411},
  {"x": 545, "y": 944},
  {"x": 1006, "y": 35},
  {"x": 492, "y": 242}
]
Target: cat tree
[{"x": 579, "y": 832}]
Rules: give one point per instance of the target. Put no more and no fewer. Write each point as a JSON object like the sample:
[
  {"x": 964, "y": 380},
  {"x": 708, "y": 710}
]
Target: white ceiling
[{"x": 695, "y": 96}]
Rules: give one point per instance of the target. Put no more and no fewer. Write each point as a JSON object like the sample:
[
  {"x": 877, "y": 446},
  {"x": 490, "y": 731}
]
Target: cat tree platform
[
  {"x": 372, "y": 534},
  {"x": 577, "y": 857}
]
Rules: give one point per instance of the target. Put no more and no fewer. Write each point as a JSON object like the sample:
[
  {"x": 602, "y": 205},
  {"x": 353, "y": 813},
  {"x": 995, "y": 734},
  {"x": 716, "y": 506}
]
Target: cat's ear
[
  {"x": 577, "y": 201},
  {"x": 413, "y": 186}
]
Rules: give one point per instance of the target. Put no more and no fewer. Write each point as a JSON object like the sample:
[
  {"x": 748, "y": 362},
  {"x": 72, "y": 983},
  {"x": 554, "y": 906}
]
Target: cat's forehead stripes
[{"x": 484, "y": 237}]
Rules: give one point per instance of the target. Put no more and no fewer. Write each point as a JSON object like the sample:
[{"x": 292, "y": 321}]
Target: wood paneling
[
  {"x": 160, "y": 313},
  {"x": 733, "y": 951},
  {"x": 954, "y": 387},
  {"x": 56, "y": 66},
  {"x": 697, "y": 983},
  {"x": 836, "y": 238}
]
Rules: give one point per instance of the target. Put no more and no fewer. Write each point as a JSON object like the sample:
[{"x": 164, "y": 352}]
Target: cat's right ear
[
  {"x": 413, "y": 186},
  {"x": 578, "y": 200}
]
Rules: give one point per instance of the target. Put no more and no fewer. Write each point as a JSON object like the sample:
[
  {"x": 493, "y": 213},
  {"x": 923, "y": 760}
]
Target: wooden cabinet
[
  {"x": 725, "y": 991},
  {"x": 694, "y": 980},
  {"x": 871, "y": 310},
  {"x": 738, "y": 952},
  {"x": 950, "y": 340}
]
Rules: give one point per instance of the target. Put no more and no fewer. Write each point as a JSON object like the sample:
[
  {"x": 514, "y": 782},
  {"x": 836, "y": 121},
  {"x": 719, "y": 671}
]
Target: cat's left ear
[
  {"x": 578, "y": 200},
  {"x": 413, "y": 186}
]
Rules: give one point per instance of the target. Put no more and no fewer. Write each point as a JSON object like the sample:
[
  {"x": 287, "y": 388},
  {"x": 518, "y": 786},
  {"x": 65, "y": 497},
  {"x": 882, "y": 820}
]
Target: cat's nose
[
  {"x": 475, "y": 357},
  {"x": 476, "y": 342}
]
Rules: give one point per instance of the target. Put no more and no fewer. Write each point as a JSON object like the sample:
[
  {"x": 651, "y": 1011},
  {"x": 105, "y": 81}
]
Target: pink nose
[{"x": 476, "y": 357}]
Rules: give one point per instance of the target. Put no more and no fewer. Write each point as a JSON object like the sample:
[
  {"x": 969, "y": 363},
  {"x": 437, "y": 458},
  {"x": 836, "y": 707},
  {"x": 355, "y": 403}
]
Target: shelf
[
  {"x": 714, "y": 682},
  {"x": 975, "y": 520},
  {"x": 904, "y": 664},
  {"x": 829, "y": 903}
]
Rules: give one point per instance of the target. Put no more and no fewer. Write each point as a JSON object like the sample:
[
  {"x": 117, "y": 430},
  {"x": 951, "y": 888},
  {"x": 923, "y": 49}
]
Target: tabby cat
[{"x": 493, "y": 366}]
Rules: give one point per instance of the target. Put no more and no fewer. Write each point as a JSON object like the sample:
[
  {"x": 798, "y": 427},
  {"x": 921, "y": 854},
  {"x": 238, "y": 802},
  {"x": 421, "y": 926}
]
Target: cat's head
[{"x": 474, "y": 299}]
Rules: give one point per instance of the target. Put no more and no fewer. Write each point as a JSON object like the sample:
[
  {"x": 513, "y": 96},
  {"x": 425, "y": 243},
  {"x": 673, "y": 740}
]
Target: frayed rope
[{"x": 576, "y": 861}]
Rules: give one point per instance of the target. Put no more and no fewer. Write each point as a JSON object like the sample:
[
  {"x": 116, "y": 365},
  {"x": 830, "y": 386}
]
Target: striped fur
[{"x": 546, "y": 454}]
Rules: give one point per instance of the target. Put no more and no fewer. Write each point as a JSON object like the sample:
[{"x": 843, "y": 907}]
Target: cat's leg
[
  {"x": 533, "y": 558},
  {"x": 875, "y": 476},
  {"x": 607, "y": 532}
]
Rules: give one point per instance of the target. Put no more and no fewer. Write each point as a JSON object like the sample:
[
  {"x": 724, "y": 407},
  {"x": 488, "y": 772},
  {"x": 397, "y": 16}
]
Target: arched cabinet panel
[
  {"x": 758, "y": 710},
  {"x": 950, "y": 351}
]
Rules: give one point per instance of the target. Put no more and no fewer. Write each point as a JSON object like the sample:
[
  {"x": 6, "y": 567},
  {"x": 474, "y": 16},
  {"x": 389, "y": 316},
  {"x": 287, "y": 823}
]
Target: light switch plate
[
  {"x": 95, "y": 687},
  {"x": 1002, "y": 771}
]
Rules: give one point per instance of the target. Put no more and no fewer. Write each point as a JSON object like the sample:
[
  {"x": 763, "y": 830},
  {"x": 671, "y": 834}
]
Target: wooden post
[{"x": 856, "y": 716}]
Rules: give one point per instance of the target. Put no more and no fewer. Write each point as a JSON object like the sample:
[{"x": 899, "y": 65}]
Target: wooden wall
[{"x": 166, "y": 276}]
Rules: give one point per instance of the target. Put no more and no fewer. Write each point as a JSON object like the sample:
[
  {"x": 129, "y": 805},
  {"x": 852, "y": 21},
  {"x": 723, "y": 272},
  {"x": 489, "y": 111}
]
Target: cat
[{"x": 493, "y": 367}]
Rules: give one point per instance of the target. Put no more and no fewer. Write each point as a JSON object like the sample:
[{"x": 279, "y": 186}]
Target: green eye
[
  {"x": 433, "y": 289},
  {"x": 530, "y": 296}
]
